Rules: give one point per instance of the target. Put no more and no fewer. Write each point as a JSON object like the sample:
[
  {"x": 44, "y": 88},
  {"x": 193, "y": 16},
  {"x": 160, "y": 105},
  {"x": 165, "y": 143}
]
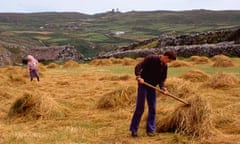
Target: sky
[{"x": 100, "y": 6}]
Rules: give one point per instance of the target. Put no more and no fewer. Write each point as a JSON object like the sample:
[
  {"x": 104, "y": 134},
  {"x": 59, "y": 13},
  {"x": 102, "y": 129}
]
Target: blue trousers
[{"x": 150, "y": 95}]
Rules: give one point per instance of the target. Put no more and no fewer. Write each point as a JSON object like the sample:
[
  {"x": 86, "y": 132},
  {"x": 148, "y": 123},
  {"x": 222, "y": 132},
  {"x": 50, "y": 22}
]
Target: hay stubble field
[{"x": 94, "y": 102}]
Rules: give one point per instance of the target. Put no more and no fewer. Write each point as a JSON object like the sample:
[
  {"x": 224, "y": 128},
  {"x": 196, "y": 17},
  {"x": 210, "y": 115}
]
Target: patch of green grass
[
  {"x": 118, "y": 69},
  {"x": 175, "y": 72},
  {"x": 153, "y": 44},
  {"x": 212, "y": 70},
  {"x": 94, "y": 37},
  {"x": 58, "y": 40}
]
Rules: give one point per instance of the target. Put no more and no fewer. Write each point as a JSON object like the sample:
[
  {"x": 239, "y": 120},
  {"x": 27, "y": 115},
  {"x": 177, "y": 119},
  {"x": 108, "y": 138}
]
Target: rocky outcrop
[
  {"x": 5, "y": 57},
  {"x": 54, "y": 53}
]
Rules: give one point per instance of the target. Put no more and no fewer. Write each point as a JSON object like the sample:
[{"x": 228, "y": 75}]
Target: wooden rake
[{"x": 168, "y": 94}]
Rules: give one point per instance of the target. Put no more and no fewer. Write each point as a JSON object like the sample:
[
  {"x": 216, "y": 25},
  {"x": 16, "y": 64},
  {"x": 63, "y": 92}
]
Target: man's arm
[{"x": 163, "y": 79}]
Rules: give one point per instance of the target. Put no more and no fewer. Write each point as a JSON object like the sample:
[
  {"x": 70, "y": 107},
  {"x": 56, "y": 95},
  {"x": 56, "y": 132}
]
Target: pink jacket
[{"x": 32, "y": 64}]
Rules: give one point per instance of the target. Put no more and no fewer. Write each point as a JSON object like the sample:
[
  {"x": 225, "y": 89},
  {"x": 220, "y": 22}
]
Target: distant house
[{"x": 119, "y": 33}]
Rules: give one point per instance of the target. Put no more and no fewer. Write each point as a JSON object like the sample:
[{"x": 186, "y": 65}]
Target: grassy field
[{"x": 76, "y": 91}]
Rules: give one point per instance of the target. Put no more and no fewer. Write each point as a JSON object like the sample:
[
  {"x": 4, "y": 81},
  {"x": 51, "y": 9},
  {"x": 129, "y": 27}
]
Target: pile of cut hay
[
  {"x": 219, "y": 57},
  {"x": 36, "y": 107},
  {"x": 180, "y": 87},
  {"x": 118, "y": 98},
  {"x": 116, "y": 60},
  {"x": 41, "y": 67},
  {"x": 129, "y": 61},
  {"x": 101, "y": 62},
  {"x": 52, "y": 65},
  {"x": 222, "y": 79},
  {"x": 194, "y": 120},
  {"x": 16, "y": 78},
  {"x": 15, "y": 75},
  {"x": 179, "y": 63},
  {"x": 222, "y": 61},
  {"x": 195, "y": 75},
  {"x": 199, "y": 60},
  {"x": 71, "y": 64}
]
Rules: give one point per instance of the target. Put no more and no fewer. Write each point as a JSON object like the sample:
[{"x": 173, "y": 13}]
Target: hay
[
  {"x": 116, "y": 60},
  {"x": 222, "y": 79},
  {"x": 16, "y": 78},
  {"x": 101, "y": 62},
  {"x": 219, "y": 57},
  {"x": 195, "y": 75},
  {"x": 41, "y": 67},
  {"x": 16, "y": 74},
  {"x": 222, "y": 61},
  {"x": 129, "y": 61},
  {"x": 228, "y": 115},
  {"x": 199, "y": 60},
  {"x": 125, "y": 77},
  {"x": 110, "y": 78},
  {"x": 36, "y": 107},
  {"x": 70, "y": 64},
  {"x": 194, "y": 120},
  {"x": 181, "y": 87},
  {"x": 116, "y": 77},
  {"x": 179, "y": 63},
  {"x": 52, "y": 65},
  {"x": 118, "y": 98}
]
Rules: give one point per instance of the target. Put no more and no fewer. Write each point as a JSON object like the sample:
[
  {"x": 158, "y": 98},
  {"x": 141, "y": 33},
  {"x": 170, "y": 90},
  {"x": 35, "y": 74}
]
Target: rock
[{"x": 54, "y": 53}]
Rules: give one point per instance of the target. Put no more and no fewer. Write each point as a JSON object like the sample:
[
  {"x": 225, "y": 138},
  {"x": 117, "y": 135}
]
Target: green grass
[
  {"x": 58, "y": 40},
  {"x": 212, "y": 70},
  {"x": 172, "y": 72},
  {"x": 205, "y": 68},
  {"x": 96, "y": 37},
  {"x": 118, "y": 69}
]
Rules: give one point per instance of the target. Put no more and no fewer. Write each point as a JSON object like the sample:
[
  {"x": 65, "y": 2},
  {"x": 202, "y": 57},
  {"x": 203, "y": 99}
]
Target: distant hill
[{"x": 100, "y": 33}]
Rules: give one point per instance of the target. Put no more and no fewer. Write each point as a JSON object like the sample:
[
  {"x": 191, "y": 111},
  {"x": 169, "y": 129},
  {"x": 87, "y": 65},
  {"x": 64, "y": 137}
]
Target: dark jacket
[{"x": 152, "y": 70}]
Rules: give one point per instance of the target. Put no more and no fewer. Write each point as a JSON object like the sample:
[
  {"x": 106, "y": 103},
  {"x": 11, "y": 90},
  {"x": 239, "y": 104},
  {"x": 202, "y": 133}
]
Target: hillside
[{"x": 99, "y": 33}]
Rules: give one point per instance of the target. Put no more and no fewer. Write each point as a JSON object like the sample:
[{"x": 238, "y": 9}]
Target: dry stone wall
[{"x": 203, "y": 44}]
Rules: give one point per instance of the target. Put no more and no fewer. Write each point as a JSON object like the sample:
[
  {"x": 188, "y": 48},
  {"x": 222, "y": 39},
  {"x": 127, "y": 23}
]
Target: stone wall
[
  {"x": 5, "y": 57},
  {"x": 209, "y": 50},
  {"x": 203, "y": 44}
]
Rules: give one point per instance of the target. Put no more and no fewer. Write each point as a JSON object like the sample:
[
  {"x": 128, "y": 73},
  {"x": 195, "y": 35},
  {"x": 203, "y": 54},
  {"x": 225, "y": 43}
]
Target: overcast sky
[{"x": 99, "y": 6}]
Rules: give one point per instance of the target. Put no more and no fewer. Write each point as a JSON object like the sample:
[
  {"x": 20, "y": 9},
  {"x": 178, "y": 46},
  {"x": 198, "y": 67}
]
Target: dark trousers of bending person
[
  {"x": 149, "y": 94},
  {"x": 33, "y": 74}
]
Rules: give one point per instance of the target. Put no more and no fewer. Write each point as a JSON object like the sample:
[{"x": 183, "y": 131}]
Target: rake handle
[{"x": 168, "y": 94}]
